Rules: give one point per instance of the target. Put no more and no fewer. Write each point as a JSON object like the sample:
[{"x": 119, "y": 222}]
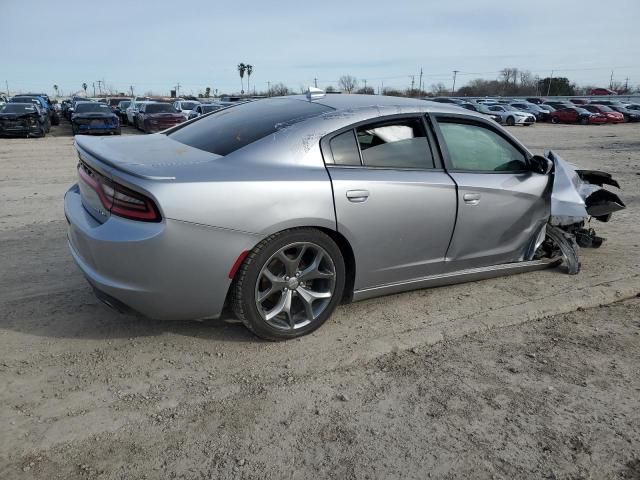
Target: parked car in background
[
  {"x": 468, "y": 106},
  {"x": 23, "y": 119},
  {"x": 121, "y": 111},
  {"x": 579, "y": 101},
  {"x": 132, "y": 112},
  {"x": 632, "y": 106},
  {"x": 113, "y": 102},
  {"x": 536, "y": 100},
  {"x": 445, "y": 100},
  {"x": 540, "y": 113},
  {"x": 612, "y": 115},
  {"x": 629, "y": 115},
  {"x": 155, "y": 116},
  {"x": 250, "y": 209},
  {"x": 602, "y": 91},
  {"x": 74, "y": 101},
  {"x": 577, "y": 115},
  {"x": 42, "y": 102},
  {"x": 203, "y": 108},
  {"x": 37, "y": 101},
  {"x": 94, "y": 117},
  {"x": 185, "y": 106},
  {"x": 510, "y": 115}
]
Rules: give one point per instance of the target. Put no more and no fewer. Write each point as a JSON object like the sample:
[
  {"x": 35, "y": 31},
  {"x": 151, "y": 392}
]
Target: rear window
[
  {"x": 230, "y": 129},
  {"x": 188, "y": 105},
  {"x": 159, "y": 108}
]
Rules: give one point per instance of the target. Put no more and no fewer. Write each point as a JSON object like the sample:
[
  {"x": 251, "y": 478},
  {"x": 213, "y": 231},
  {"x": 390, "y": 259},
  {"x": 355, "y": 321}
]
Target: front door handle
[
  {"x": 471, "y": 198},
  {"x": 357, "y": 196}
]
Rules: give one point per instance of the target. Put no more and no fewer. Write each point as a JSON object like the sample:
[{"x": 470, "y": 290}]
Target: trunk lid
[{"x": 150, "y": 157}]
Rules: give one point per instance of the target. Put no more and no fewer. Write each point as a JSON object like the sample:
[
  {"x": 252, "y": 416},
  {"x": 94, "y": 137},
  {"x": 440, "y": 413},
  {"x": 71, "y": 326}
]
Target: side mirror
[{"x": 540, "y": 164}]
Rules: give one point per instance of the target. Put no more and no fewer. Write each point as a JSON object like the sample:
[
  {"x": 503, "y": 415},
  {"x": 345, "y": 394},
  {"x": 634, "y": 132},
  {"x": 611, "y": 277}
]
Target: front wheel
[
  {"x": 555, "y": 120},
  {"x": 289, "y": 284},
  {"x": 584, "y": 121},
  {"x": 511, "y": 121}
]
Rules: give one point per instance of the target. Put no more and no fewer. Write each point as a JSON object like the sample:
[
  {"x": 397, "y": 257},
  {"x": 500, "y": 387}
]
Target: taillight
[{"x": 118, "y": 199}]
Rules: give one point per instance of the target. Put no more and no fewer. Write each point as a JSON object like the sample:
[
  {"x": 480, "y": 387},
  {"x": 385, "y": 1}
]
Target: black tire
[
  {"x": 118, "y": 132},
  {"x": 510, "y": 121},
  {"x": 74, "y": 129},
  {"x": 568, "y": 247},
  {"x": 555, "y": 120},
  {"x": 584, "y": 121},
  {"x": 55, "y": 119},
  {"x": 243, "y": 288}
]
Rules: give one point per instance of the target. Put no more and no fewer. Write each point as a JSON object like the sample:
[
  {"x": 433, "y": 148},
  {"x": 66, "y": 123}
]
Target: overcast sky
[{"x": 152, "y": 45}]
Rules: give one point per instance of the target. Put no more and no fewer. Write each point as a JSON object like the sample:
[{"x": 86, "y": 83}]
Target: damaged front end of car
[{"x": 577, "y": 197}]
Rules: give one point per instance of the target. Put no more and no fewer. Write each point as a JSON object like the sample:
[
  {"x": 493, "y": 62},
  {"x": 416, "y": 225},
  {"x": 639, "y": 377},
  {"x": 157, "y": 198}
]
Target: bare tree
[
  {"x": 330, "y": 89},
  {"x": 348, "y": 83},
  {"x": 438, "y": 89},
  {"x": 279, "y": 89}
]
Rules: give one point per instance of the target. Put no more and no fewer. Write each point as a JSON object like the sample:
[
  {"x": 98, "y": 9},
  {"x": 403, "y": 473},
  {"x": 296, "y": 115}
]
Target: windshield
[
  {"x": 603, "y": 108},
  {"x": 124, "y": 104},
  {"x": 18, "y": 108},
  {"x": 159, "y": 108},
  {"x": 25, "y": 100},
  {"x": 92, "y": 108},
  {"x": 188, "y": 105},
  {"x": 232, "y": 128}
]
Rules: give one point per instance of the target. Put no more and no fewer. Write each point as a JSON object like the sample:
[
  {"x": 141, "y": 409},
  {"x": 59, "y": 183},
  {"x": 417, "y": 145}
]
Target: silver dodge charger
[{"x": 278, "y": 210}]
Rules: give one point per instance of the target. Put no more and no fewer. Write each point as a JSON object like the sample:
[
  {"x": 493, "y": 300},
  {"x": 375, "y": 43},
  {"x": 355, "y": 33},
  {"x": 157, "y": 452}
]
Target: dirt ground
[{"x": 530, "y": 376}]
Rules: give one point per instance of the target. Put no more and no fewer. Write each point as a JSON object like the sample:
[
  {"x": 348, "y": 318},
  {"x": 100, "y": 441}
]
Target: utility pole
[
  {"x": 94, "y": 88},
  {"x": 381, "y": 88},
  {"x": 365, "y": 86},
  {"x": 315, "y": 82},
  {"x": 549, "y": 86},
  {"x": 453, "y": 88},
  {"x": 611, "y": 81},
  {"x": 131, "y": 88},
  {"x": 413, "y": 81},
  {"x": 6, "y": 82},
  {"x": 178, "y": 90},
  {"x": 626, "y": 85},
  {"x": 99, "y": 87},
  {"x": 420, "y": 83}
]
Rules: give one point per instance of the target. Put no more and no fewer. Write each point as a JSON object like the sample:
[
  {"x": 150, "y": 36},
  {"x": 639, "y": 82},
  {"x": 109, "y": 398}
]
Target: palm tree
[
  {"x": 55, "y": 87},
  {"x": 249, "y": 71},
  {"x": 241, "y": 69},
  {"x": 84, "y": 87}
]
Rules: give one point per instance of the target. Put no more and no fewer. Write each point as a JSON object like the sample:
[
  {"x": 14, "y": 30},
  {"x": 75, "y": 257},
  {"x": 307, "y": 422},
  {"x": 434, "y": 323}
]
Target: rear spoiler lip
[{"x": 84, "y": 152}]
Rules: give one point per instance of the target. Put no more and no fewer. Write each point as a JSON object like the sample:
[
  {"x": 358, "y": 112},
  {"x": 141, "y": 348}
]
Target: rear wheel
[
  {"x": 511, "y": 121},
  {"x": 584, "y": 121},
  {"x": 555, "y": 120},
  {"x": 289, "y": 284}
]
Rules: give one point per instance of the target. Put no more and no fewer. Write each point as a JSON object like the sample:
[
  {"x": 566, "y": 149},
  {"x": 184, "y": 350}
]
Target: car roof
[{"x": 356, "y": 101}]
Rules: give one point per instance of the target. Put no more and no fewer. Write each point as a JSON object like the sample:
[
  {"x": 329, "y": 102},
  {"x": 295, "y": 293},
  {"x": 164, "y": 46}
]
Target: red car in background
[
  {"x": 602, "y": 91},
  {"x": 156, "y": 116},
  {"x": 577, "y": 115},
  {"x": 612, "y": 115}
]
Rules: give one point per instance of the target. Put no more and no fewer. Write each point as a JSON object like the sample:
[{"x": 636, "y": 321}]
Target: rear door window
[{"x": 396, "y": 144}]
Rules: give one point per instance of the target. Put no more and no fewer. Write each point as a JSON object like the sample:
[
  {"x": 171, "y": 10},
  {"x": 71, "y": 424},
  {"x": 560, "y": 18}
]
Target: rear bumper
[
  {"x": 86, "y": 128},
  {"x": 168, "y": 271}
]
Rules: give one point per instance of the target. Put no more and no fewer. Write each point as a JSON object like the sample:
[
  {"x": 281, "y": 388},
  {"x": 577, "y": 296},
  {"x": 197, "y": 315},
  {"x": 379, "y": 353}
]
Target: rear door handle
[
  {"x": 357, "y": 196},
  {"x": 471, "y": 198}
]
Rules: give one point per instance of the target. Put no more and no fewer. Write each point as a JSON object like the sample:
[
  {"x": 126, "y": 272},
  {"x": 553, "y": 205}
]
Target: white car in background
[
  {"x": 509, "y": 115},
  {"x": 185, "y": 106}
]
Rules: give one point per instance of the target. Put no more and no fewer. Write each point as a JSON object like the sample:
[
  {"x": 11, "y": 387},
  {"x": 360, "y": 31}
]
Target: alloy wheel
[{"x": 295, "y": 285}]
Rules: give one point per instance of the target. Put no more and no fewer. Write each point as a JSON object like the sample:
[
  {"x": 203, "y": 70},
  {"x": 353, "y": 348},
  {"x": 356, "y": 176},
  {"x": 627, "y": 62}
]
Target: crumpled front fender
[{"x": 578, "y": 194}]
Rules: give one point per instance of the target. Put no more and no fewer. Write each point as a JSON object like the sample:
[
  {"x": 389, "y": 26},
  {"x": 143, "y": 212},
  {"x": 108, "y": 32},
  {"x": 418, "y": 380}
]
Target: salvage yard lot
[{"x": 406, "y": 385}]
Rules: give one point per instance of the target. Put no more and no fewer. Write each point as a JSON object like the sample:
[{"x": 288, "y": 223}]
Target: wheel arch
[{"x": 345, "y": 249}]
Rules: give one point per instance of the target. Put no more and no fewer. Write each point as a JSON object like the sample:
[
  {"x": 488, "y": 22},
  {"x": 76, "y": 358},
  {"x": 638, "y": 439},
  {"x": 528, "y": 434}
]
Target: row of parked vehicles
[
  {"x": 29, "y": 114},
  {"x": 144, "y": 113},
  {"x": 527, "y": 111}
]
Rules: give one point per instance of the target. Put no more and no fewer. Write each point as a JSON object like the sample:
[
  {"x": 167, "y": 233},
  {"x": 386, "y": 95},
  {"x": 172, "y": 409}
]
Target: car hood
[{"x": 152, "y": 157}]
